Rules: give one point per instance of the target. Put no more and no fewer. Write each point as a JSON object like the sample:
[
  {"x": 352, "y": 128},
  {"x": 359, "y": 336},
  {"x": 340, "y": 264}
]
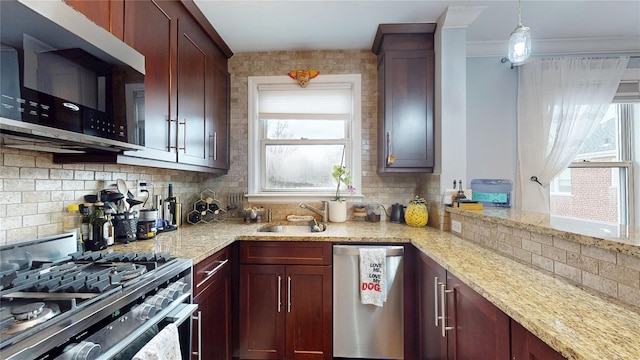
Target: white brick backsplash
[
  {"x": 9, "y": 172},
  {"x": 20, "y": 234},
  {"x": 582, "y": 262},
  {"x": 19, "y": 160},
  {"x": 73, "y": 166},
  {"x": 10, "y": 222},
  {"x": 600, "y": 254},
  {"x": 48, "y": 185},
  {"x": 620, "y": 274},
  {"x": 83, "y": 175},
  {"x": 19, "y": 184},
  {"x": 63, "y": 196},
  {"x": 554, "y": 254},
  {"x": 72, "y": 185},
  {"x": 10, "y": 197},
  {"x": 103, "y": 175},
  {"x": 50, "y": 207},
  {"x": 542, "y": 262},
  {"x": 567, "y": 271},
  {"x": 628, "y": 294},
  {"x": 629, "y": 261},
  {"x": 35, "y": 220},
  {"x": 599, "y": 283},
  {"x": 34, "y": 173},
  {"x": 532, "y": 246},
  {"x": 566, "y": 245},
  {"x": 543, "y": 239},
  {"x": 30, "y": 197},
  {"x": 22, "y": 209},
  {"x": 94, "y": 167},
  {"x": 64, "y": 174}
]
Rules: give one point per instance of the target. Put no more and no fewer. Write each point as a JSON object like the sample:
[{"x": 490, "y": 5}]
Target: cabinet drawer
[
  {"x": 204, "y": 272},
  {"x": 285, "y": 252}
]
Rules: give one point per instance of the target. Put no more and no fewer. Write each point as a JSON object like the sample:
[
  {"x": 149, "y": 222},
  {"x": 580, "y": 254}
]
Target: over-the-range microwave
[{"x": 66, "y": 80}]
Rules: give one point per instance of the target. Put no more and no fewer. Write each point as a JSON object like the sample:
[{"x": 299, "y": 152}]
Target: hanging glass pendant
[
  {"x": 520, "y": 44},
  {"x": 519, "y": 41}
]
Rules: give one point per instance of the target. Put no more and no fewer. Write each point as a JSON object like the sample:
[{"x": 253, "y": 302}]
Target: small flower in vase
[{"x": 342, "y": 175}]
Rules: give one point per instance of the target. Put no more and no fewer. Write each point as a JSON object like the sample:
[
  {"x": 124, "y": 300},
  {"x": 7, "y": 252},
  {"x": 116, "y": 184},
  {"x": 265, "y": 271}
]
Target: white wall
[
  {"x": 491, "y": 119},
  {"x": 451, "y": 99}
]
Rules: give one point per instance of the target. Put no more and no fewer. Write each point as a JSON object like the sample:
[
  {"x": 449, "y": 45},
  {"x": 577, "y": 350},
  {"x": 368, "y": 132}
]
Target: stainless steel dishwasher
[{"x": 367, "y": 331}]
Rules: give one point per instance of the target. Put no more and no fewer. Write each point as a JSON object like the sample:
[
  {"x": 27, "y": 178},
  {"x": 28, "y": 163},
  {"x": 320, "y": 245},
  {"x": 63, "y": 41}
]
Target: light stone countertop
[{"x": 576, "y": 323}]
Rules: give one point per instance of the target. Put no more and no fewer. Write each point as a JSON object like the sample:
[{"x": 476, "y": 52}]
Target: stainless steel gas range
[{"x": 56, "y": 303}]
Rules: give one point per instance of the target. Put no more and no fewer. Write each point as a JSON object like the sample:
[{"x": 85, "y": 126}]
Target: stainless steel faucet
[{"x": 322, "y": 212}]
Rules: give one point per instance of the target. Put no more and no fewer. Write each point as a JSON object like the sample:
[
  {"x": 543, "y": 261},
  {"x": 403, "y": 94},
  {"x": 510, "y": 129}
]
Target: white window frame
[{"x": 255, "y": 156}]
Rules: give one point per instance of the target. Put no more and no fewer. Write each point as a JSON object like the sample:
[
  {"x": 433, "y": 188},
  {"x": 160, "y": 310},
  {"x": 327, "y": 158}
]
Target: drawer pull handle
[
  {"x": 289, "y": 295},
  {"x": 435, "y": 299},
  {"x": 210, "y": 273}
]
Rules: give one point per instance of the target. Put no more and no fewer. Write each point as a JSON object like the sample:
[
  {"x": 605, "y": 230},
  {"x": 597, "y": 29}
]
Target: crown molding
[{"x": 542, "y": 47}]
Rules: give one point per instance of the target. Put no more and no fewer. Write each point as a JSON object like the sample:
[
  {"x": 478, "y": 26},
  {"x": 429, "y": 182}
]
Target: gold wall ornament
[{"x": 303, "y": 76}]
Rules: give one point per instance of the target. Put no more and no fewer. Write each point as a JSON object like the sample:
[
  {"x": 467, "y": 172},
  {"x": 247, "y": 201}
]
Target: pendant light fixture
[{"x": 519, "y": 41}]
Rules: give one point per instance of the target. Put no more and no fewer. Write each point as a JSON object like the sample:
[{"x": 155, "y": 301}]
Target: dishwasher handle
[{"x": 351, "y": 250}]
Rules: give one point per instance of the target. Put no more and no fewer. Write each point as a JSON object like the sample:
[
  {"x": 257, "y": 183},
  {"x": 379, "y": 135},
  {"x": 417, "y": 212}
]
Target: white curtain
[{"x": 560, "y": 100}]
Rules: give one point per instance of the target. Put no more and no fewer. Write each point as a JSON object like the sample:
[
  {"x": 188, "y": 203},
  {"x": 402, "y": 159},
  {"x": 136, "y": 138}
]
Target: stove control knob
[
  {"x": 179, "y": 286},
  {"x": 170, "y": 293},
  {"x": 160, "y": 302},
  {"x": 145, "y": 311},
  {"x": 85, "y": 350}
]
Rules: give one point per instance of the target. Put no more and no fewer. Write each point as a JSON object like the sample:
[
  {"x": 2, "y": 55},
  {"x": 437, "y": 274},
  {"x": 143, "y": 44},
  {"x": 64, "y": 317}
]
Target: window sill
[{"x": 289, "y": 198}]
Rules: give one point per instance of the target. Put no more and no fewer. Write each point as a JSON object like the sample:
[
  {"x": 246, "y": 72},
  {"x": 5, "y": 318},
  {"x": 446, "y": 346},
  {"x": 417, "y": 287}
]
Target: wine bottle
[
  {"x": 170, "y": 207},
  {"x": 97, "y": 242}
]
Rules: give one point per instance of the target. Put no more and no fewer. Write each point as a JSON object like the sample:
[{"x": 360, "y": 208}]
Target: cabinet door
[
  {"x": 108, "y": 14},
  {"x": 193, "y": 136},
  {"x": 308, "y": 308},
  {"x": 219, "y": 132},
  {"x": 214, "y": 307},
  {"x": 479, "y": 327},
  {"x": 151, "y": 28},
  {"x": 262, "y": 311},
  {"x": 408, "y": 111},
  {"x": 433, "y": 345},
  {"x": 526, "y": 346}
]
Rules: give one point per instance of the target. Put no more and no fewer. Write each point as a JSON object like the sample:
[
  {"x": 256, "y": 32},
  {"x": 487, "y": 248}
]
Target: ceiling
[{"x": 248, "y": 26}]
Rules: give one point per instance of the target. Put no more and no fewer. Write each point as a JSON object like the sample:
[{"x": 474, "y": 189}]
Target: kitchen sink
[{"x": 291, "y": 229}]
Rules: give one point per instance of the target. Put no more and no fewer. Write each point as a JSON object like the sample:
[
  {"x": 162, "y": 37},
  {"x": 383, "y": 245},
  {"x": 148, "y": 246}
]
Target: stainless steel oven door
[{"x": 117, "y": 341}]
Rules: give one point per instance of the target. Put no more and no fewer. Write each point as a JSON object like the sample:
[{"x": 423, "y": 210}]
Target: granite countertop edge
[{"x": 576, "y": 323}]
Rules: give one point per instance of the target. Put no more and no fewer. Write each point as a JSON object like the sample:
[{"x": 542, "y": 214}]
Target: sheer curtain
[{"x": 560, "y": 100}]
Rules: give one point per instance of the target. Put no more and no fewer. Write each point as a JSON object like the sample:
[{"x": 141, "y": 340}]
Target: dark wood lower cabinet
[
  {"x": 285, "y": 309},
  {"x": 211, "y": 337},
  {"x": 458, "y": 323},
  {"x": 479, "y": 329},
  {"x": 526, "y": 346}
]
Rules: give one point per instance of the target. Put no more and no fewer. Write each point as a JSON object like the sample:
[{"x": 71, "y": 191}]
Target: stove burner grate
[{"x": 23, "y": 321}]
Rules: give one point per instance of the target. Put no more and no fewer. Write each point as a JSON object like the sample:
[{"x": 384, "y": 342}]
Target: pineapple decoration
[{"x": 416, "y": 214}]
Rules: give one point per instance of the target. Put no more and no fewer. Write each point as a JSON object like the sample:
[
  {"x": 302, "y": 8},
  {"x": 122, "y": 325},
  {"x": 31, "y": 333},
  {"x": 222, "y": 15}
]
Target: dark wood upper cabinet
[
  {"x": 152, "y": 29},
  {"x": 186, "y": 90},
  {"x": 406, "y": 70},
  {"x": 108, "y": 14}
]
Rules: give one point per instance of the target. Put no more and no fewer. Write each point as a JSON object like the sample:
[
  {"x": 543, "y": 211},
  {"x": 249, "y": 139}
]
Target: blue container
[{"x": 492, "y": 192}]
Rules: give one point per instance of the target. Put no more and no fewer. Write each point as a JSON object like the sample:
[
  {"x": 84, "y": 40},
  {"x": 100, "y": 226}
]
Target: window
[
  {"x": 598, "y": 185},
  {"x": 298, "y": 134}
]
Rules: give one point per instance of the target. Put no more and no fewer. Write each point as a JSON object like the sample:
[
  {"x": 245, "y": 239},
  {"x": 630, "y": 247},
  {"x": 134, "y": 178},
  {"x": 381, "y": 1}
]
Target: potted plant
[{"x": 338, "y": 205}]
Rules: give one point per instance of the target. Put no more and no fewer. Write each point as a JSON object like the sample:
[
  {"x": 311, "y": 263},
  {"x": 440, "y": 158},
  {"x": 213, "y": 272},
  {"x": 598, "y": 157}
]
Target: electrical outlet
[
  {"x": 456, "y": 226},
  {"x": 142, "y": 185}
]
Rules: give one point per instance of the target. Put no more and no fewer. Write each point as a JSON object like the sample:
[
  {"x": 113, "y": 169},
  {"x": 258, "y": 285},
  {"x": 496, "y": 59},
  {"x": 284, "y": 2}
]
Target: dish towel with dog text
[{"x": 373, "y": 281}]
